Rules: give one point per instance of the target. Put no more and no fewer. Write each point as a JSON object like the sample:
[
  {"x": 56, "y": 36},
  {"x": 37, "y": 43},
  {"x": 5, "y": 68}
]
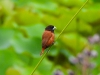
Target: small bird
[{"x": 48, "y": 37}]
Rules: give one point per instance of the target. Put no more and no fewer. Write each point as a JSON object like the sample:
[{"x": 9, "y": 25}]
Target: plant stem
[
  {"x": 59, "y": 36},
  {"x": 72, "y": 19},
  {"x": 41, "y": 60}
]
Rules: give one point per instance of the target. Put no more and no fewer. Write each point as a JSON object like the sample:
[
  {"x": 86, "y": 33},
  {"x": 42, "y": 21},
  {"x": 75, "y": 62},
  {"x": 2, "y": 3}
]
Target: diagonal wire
[{"x": 59, "y": 36}]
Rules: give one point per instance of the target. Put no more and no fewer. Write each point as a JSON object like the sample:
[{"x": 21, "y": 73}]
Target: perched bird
[{"x": 48, "y": 37}]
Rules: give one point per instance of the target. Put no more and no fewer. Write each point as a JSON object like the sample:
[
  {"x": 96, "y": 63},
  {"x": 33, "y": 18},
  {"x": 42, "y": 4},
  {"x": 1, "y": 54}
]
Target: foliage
[{"x": 22, "y": 23}]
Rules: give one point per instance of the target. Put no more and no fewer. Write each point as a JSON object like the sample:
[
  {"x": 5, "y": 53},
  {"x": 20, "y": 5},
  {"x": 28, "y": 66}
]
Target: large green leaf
[
  {"x": 88, "y": 15},
  {"x": 31, "y": 44},
  {"x": 12, "y": 71},
  {"x": 45, "y": 67},
  {"x": 74, "y": 42},
  {"x": 7, "y": 7},
  {"x": 22, "y": 44},
  {"x": 34, "y": 30},
  {"x": 25, "y": 17},
  {"x": 6, "y": 36},
  {"x": 6, "y": 60},
  {"x": 71, "y": 3}
]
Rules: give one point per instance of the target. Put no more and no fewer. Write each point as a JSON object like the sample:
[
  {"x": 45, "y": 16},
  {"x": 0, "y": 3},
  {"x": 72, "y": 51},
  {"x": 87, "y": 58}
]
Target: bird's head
[{"x": 50, "y": 28}]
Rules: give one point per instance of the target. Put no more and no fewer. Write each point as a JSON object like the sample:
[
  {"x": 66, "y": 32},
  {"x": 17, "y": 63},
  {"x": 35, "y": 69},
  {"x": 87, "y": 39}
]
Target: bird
[{"x": 48, "y": 37}]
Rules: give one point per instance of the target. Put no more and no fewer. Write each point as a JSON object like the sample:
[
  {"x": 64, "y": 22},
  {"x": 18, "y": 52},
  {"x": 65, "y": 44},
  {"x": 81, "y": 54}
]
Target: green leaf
[
  {"x": 89, "y": 15},
  {"x": 34, "y": 30},
  {"x": 12, "y": 71},
  {"x": 25, "y": 17},
  {"x": 74, "y": 42},
  {"x": 45, "y": 67},
  {"x": 71, "y": 3},
  {"x": 96, "y": 1},
  {"x": 31, "y": 44},
  {"x": 6, "y": 60},
  {"x": 84, "y": 27},
  {"x": 6, "y": 36},
  {"x": 7, "y": 7}
]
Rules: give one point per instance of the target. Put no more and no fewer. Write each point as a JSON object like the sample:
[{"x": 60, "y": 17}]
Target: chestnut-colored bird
[{"x": 48, "y": 37}]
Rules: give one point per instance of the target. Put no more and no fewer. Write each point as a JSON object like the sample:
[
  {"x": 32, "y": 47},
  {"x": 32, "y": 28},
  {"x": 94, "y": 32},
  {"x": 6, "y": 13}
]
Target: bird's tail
[{"x": 42, "y": 51}]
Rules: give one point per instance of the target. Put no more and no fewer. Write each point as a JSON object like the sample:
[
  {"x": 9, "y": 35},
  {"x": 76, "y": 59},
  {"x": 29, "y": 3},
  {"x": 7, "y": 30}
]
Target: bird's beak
[{"x": 54, "y": 28}]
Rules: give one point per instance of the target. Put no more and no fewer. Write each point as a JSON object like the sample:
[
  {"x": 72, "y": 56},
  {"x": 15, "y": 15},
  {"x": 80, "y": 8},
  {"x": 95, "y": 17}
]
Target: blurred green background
[{"x": 76, "y": 52}]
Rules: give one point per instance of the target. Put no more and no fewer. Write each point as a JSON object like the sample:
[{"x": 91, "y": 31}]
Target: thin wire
[{"x": 58, "y": 37}]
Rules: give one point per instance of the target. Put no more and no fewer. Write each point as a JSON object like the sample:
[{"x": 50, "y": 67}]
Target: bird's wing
[{"x": 45, "y": 38}]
